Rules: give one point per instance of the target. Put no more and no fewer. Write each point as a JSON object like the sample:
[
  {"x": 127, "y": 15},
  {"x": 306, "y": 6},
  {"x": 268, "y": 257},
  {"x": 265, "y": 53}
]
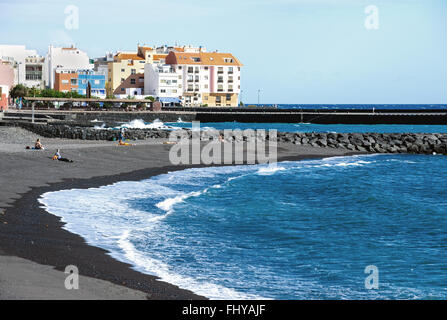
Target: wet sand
[{"x": 34, "y": 247}]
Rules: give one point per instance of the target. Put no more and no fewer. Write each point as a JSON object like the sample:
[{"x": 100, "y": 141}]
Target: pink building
[{"x": 6, "y": 83}]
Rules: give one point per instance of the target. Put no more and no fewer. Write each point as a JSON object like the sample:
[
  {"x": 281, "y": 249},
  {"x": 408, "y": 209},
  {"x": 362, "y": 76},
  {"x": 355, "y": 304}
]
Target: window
[
  {"x": 228, "y": 97},
  {"x": 122, "y": 79},
  {"x": 174, "y": 90},
  {"x": 64, "y": 81},
  {"x": 96, "y": 81},
  {"x": 218, "y": 99},
  {"x": 84, "y": 81},
  {"x": 206, "y": 77},
  {"x": 133, "y": 71},
  {"x": 132, "y": 81},
  {"x": 141, "y": 79},
  {"x": 205, "y": 86},
  {"x": 122, "y": 89},
  {"x": 122, "y": 70},
  {"x": 162, "y": 80},
  {"x": 163, "y": 91},
  {"x": 74, "y": 81},
  {"x": 205, "y": 98},
  {"x": 174, "y": 81}
]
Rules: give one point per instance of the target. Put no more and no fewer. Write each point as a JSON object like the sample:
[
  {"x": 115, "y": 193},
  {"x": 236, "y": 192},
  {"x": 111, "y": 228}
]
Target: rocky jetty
[{"x": 364, "y": 142}]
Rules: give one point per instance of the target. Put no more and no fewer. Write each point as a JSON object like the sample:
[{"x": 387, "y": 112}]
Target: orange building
[{"x": 66, "y": 81}]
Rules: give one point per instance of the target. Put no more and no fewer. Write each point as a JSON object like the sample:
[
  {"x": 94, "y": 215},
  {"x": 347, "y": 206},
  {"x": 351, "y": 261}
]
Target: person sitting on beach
[
  {"x": 38, "y": 145},
  {"x": 57, "y": 156}
]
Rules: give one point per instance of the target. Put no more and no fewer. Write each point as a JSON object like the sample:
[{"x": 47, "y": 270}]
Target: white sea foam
[
  {"x": 140, "y": 124},
  {"x": 269, "y": 170}
]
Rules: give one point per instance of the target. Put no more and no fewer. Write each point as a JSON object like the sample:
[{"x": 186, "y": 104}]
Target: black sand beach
[{"x": 34, "y": 247}]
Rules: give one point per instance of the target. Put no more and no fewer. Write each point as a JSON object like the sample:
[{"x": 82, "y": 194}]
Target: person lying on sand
[
  {"x": 57, "y": 156},
  {"x": 122, "y": 143}
]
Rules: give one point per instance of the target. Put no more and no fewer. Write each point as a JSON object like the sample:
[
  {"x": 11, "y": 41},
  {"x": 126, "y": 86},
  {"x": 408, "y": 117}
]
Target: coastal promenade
[{"x": 247, "y": 115}]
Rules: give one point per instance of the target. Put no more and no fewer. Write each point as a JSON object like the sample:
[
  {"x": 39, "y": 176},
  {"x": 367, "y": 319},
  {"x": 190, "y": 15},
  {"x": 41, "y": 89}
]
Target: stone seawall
[{"x": 364, "y": 142}]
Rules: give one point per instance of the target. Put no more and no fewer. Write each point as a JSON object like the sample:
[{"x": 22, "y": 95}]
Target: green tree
[
  {"x": 151, "y": 98},
  {"x": 18, "y": 91}
]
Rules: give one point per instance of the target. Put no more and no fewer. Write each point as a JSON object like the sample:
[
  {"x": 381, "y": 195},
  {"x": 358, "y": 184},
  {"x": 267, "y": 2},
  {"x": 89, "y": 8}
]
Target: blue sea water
[
  {"x": 301, "y": 230},
  {"x": 359, "y": 106},
  {"x": 310, "y": 127}
]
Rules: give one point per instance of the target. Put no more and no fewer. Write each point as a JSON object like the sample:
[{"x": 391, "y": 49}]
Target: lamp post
[{"x": 18, "y": 72}]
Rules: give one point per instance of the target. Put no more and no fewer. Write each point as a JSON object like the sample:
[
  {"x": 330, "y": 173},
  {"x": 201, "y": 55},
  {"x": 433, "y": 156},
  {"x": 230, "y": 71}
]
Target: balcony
[
  {"x": 230, "y": 81},
  {"x": 220, "y": 81},
  {"x": 230, "y": 72},
  {"x": 220, "y": 72},
  {"x": 219, "y": 90}
]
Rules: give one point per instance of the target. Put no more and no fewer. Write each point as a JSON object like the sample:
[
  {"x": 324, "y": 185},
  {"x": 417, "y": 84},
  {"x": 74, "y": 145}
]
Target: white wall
[
  {"x": 155, "y": 81},
  {"x": 19, "y": 53},
  {"x": 66, "y": 59}
]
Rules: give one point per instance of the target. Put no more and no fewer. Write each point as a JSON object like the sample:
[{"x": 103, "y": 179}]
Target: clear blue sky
[{"x": 295, "y": 51}]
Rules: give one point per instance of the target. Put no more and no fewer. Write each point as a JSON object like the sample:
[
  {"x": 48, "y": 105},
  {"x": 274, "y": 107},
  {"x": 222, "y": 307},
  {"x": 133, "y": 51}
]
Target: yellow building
[{"x": 126, "y": 64}]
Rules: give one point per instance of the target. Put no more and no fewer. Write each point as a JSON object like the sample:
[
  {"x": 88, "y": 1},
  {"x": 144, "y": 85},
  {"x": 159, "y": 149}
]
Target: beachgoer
[
  {"x": 38, "y": 145},
  {"x": 221, "y": 138},
  {"x": 122, "y": 143},
  {"x": 57, "y": 156}
]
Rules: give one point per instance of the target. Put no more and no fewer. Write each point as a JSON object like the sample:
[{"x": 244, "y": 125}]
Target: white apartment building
[
  {"x": 163, "y": 81},
  {"x": 28, "y": 65},
  {"x": 209, "y": 78},
  {"x": 65, "y": 58}
]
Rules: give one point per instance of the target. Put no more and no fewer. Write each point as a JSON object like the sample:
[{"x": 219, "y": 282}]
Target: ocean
[
  {"x": 284, "y": 127},
  {"x": 301, "y": 230}
]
